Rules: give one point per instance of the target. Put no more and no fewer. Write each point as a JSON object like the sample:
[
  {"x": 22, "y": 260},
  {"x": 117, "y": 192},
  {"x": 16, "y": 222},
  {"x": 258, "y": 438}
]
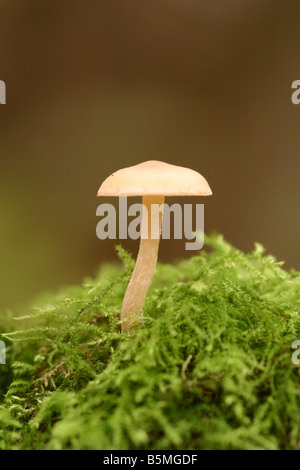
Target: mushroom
[{"x": 153, "y": 180}]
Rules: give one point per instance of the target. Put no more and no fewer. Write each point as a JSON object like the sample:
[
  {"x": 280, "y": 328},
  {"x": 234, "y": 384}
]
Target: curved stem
[{"x": 145, "y": 263}]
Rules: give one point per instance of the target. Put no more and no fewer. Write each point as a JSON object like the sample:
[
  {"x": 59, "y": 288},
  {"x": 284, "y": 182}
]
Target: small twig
[
  {"x": 44, "y": 380},
  {"x": 185, "y": 366}
]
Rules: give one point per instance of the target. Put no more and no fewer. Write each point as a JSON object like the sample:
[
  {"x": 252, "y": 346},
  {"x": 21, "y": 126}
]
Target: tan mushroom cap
[{"x": 155, "y": 178}]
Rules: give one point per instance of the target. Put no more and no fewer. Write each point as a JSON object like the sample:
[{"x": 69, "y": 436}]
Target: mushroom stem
[{"x": 145, "y": 263}]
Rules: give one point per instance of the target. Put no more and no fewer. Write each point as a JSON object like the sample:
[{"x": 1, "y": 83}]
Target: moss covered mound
[{"x": 210, "y": 369}]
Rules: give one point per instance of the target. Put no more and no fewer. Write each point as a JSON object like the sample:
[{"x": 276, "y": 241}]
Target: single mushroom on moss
[{"x": 153, "y": 180}]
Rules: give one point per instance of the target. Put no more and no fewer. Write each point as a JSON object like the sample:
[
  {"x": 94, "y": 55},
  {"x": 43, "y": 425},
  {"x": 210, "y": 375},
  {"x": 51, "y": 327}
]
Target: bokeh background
[{"x": 99, "y": 85}]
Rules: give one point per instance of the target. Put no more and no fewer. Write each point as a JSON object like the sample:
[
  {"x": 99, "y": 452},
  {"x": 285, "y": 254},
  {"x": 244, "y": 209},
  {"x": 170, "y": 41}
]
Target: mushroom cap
[{"x": 155, "y": 178}]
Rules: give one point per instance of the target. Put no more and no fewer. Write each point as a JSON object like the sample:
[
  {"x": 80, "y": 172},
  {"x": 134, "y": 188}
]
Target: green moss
[{"x": 210, "y": 369}]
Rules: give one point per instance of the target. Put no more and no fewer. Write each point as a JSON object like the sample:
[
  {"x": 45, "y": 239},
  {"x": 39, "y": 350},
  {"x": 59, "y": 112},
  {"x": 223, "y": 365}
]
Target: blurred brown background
[{"x": 95, "y": 86}]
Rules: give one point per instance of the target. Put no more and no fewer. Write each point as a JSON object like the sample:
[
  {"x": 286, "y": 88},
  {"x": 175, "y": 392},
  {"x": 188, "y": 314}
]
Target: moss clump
[{"x": 210, "y": 369}]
